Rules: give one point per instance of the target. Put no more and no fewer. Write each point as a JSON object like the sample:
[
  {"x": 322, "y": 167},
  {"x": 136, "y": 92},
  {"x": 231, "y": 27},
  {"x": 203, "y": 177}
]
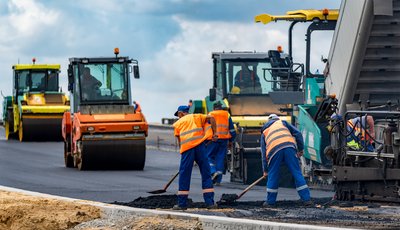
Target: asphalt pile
[{"x": 324, "y": 212}]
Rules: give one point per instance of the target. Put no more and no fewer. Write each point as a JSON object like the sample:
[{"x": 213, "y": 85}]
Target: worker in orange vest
[
  {"x": 189, "y": 130},
  {"x": 216, "y": 151},
  {"x": 137, "y": 107},
  {"x": 282, "y": 143}
]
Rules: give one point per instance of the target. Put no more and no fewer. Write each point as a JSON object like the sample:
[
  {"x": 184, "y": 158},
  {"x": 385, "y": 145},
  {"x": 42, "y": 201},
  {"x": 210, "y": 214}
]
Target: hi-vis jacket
[
  {"x": 190, "y": 130},
  {"x": 224, "y": 125},
  {"x": 277, "y": 135}
]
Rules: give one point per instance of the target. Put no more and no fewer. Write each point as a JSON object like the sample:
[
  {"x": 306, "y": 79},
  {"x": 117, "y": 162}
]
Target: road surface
[{"x": 39, "y": 167}]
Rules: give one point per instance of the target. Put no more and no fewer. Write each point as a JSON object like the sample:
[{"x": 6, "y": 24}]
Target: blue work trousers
[
  {"x": 288, "y": 156},
  {"x": 216, "y": 152},
  {"x": 188, "y": 157}
]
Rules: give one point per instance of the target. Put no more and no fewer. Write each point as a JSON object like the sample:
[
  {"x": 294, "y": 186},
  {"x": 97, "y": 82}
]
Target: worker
[
  {"x": 216, "y": 151},
  {"x": 137, "y": 107},
  {"x": 189, "y": 130},
  {"x": 282, "y": 142},
  {"x": 190, "y": 103},
  {"x": 247, "y": 80},
  {"x": 358, "y": 137},
  {"x": 90, "y": 85}
]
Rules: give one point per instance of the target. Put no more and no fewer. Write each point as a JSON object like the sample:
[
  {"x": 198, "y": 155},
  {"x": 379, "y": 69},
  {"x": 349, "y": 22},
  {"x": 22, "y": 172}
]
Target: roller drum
[
  {"x": 38, "y": 129},
  {"x": 113, "y": 154}
]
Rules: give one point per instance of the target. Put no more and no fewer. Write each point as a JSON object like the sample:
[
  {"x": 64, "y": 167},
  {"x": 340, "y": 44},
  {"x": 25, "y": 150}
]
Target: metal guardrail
[{"x": 162, "y": 137}]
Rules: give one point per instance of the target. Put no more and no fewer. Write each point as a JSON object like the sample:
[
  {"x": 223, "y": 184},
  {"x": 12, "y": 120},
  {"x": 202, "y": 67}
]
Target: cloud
[{"x": 182, "y": 70}]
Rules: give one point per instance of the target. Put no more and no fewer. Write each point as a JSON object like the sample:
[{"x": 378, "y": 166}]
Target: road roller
[
  {"x": 36, "y": 107},
  {"x": 102, "y": 130}
]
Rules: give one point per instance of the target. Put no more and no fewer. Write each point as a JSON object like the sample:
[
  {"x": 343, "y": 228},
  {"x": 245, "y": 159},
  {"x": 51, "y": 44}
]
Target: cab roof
[{"x": 36, "y": 66}]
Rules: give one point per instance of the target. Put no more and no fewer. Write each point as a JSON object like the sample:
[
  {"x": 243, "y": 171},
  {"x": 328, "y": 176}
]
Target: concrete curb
[{"x": 208, "y": 222}]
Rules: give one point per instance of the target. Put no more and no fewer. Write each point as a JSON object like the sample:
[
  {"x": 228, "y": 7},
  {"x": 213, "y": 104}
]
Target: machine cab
[
  {"x": 244, "y": 79},
  {"x": 32, "y": 78},
  {"x": 101, "y": 81}
]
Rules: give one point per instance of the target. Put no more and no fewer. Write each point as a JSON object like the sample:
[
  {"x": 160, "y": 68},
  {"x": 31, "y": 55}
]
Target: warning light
[
  {"x": 33, "y": 60},
  {"x": 325, "y": 12},
  {"x": 116, "y": 51}
]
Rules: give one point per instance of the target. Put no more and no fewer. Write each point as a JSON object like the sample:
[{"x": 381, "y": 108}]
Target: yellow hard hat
[{"x": 235, "y": 90}]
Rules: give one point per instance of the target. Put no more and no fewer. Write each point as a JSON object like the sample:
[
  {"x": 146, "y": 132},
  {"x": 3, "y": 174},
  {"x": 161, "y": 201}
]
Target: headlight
[
  {"x": 90, "y": 129},
  {"x": 136, "y": 127}
]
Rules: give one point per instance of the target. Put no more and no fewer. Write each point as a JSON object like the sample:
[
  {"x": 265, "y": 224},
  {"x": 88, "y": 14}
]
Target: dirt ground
[
  {"x": 23, "y": 212},
  {"x": 19, "y": 211}
]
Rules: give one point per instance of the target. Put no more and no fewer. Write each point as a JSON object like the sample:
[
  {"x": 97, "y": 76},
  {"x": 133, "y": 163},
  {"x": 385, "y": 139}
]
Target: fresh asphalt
[{"x": 39, "y": 167}]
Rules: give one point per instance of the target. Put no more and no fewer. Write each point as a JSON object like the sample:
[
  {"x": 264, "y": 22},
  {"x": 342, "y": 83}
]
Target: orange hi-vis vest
[
  {"x": 222, "y": 124},
  {"x": 277, "y": 135},
  {"x": 357, "y": 130},
  {"x": 190, "y": 130}
]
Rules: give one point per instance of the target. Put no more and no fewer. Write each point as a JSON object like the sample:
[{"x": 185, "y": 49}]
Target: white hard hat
[{"x": 273, "y": 117}]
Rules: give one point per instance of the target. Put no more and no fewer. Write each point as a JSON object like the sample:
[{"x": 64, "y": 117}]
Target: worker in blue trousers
[
  {"x": 282, "y": 142},
  {"x": 189, "y": 130},
  {"x": 216, "y": 151}
]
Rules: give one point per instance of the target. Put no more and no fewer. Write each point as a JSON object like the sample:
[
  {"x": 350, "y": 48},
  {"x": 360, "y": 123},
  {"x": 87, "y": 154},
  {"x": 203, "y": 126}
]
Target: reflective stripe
[
  {"x": 191, "y": 131},
  {"x": 207, "y": 190},
  {"x": 191, "y": 139},
  {"x": 272, "y": 190},
  {"x": 278, "y": 137},
  {"x": 222, "y": 133},
  {"x": 223, "y": 126},
  {"x": 207, "y": 128},
  {"x": 183, "y": 192},
  {"x": 273, "y": 132},
  {"x": 301, "y": 187},
  {"x": 232, "y": 130}
]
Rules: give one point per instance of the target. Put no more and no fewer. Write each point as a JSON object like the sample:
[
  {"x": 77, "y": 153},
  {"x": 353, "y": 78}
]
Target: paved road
[{"x": 39, "y": 167}]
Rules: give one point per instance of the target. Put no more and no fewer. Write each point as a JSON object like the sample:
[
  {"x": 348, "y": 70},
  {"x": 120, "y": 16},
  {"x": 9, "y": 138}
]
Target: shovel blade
[
  {"x": 228, "y": 198},
  {"x": 160, "y": 191}
]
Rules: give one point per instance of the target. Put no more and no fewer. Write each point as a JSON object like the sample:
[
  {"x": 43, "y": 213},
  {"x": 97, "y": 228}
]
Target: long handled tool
[
  {"x": 166, "y": 186},
  {"x": 230, "y": 198}
]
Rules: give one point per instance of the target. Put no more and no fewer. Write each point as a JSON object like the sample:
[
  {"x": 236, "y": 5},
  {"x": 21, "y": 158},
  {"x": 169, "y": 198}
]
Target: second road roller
[
  {"x": 103, "y": 130},
  {"x": 35, "y": 109}
]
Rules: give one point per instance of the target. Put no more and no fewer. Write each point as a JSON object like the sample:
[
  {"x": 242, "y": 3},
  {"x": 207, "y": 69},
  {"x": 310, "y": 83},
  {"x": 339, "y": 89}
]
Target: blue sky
[{"x": 172, "y": 39}]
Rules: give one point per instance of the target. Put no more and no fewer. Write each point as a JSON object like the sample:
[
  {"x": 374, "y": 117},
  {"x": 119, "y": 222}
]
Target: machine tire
[
  {"x": 7, "y": 129},
  {"x": 81, "y": 164},
  {"x": 68, "y": 159},
  {"x": 21, "y": 136},
  {"x": 8, "y": 124}
]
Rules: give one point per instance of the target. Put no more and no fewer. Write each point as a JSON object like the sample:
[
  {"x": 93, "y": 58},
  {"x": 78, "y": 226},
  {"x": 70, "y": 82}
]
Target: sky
[{"x": 172, "y": 40}]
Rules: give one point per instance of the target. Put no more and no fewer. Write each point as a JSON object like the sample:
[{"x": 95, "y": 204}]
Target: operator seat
[{"x": 282, "y": 71}]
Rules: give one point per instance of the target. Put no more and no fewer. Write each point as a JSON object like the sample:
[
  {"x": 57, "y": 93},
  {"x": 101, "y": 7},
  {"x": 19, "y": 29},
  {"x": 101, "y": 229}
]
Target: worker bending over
[
  {"x": 189, "y": 130},
  {"x": 216, "y": 151},
  {"x": 282, "y": 142},
  {"x": 358, "y": 137}
]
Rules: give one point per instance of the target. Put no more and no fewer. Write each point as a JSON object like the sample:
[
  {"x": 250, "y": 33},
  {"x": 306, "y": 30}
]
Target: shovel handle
[
  {"x": 170, "y": 181},
  {"x": 251, "y": 186}
]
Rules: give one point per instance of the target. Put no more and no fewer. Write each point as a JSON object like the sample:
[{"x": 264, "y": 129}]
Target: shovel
[
  {"x": 159, "y": 191},
  {"x": 230, "y": 198}
]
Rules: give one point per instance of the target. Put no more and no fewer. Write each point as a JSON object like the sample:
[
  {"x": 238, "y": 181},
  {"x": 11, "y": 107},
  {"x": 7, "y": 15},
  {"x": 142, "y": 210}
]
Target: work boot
[
  {"x": 178, "y": 208},
  {"x": 308, "y": 203},
  {"x": 212, "y": 206},
  {"x": 266, "y": 205}
]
